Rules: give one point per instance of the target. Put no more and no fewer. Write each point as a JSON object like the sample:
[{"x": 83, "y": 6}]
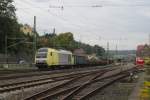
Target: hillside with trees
[
  {"x": 67, "y": 41},
  {"x": 11, "y": 37}
]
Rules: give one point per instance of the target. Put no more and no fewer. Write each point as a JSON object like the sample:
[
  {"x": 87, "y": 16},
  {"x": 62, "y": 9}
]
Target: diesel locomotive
[{"x": 52, "y": 58}]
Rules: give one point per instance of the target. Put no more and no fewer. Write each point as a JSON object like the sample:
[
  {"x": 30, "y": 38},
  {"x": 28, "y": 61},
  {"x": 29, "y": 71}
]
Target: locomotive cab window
[{"x": 41, "y": 55}]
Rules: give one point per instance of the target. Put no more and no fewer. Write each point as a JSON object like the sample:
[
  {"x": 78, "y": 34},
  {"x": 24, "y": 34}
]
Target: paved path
[{"x": 136, "y": 91}]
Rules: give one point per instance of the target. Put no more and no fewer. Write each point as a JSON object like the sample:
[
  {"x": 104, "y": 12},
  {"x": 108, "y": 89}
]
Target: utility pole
[
  {"x": 6, "y": 52},
  {"x": 53, "y": 42},
  {"x": 116, "y": 49},
  {"x": 149, "y": 44},
  {"x": 107, "y": 52},
  {"x": 116, "y": 52},
  {"x": 34, "y": 38},
  {"x": 54, "y": 30},
  {"x": 149, "y": 40}
]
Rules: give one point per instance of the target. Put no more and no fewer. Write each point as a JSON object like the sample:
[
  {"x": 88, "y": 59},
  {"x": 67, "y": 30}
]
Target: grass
[{"x": 145, "y": 90}]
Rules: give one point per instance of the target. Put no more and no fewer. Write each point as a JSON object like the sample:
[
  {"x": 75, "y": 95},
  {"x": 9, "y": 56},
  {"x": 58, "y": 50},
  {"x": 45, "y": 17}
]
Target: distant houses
[
  {"x": 27, "y": 30},
  {"x": 80, "y": 52},
  {"x": 143, "y": 50}
]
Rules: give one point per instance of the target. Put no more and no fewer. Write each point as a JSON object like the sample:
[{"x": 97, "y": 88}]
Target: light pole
[
  {"x": 6, "y": 54},
  {"x": 107, "y": 52},
  {"x": 34, "y": 38}
]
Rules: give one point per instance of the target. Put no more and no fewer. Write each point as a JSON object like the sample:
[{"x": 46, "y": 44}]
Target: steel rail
[
  {"x": 90, "y": 94},
  {"x": 74, "y": 92},
  {"x": 60, "y": 92},
  {"x": 49, "y": 80},
  {"x": 54, "y": 88},
  {"x": 42, "y": 79},
  {"x": 47, "y": 95},
  {"x": 39, "y": 73}
]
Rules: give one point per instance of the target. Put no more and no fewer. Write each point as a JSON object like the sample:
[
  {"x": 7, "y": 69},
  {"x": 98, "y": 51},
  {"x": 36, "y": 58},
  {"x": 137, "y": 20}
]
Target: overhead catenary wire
[
  {"x": 84, "y": 6},
  {"x": 45, "y": 9},
  {"x": 61, "y": 18},
  {"x": 62, "y": 7},
  {"x": 53, "y": 14}
]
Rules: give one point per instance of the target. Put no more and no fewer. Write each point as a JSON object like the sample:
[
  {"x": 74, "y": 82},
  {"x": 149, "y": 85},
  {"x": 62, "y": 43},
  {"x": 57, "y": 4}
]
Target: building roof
[
  {"x": 79, "y": 52},
  {"x": 143, "y": 50}
]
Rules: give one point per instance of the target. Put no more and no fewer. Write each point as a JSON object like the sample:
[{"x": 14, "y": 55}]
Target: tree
[
  {"x": 7, "y": 9},
  {"x": 8, "y": 22},
  {"x": 99, "y": 50},
  {"x": 65, "y": 40}
]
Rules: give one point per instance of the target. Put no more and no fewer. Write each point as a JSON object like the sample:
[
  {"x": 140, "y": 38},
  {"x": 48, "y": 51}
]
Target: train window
[
  {"x": 41, "y": 55},
  {"x": 51, "y": 53}
]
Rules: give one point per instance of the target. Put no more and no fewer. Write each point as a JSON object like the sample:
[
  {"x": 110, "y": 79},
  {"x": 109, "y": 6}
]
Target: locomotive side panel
[{"x": 63, "y": 59}]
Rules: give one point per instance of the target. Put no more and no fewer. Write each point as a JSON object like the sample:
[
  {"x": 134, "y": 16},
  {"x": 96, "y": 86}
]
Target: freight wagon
[{"x": 80, "y": 60}]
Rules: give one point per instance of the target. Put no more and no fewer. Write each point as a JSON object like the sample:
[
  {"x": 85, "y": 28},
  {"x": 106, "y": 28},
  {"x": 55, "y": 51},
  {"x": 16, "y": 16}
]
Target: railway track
[
  {"x": 36, "y": 82},
  {"x": 81, "y": 87},
  {"x": 21, "y": 74},
  {"x": 6, "y": 72}
]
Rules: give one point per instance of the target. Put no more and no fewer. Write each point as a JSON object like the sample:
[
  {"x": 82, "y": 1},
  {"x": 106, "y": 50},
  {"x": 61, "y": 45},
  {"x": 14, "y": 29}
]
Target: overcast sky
[{"x": 125, "y": 23}]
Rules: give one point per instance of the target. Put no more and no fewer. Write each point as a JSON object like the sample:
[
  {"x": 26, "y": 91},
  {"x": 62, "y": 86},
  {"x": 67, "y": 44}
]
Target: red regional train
[{"x": 140, "y": 63}]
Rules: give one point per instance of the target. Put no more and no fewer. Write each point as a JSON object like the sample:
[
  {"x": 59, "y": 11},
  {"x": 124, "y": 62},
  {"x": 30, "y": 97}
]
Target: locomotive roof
[
  {"x": 42, "y": 48},
  {"x": 47, "y": 49},
  {"x": 55, "y": 50}
]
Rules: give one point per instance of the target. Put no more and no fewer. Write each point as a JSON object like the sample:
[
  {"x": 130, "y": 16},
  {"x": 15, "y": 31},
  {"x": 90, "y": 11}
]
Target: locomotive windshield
[{"x": 41, "y": 55}]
